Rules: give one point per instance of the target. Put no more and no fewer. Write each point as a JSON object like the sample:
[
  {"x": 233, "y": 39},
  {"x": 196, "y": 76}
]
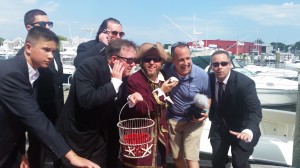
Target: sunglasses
[
  {"x": 154, "y": 59},
  {"x": 43, "y": 24},
  {"x": 127, "y": 60},
  {"x": 217, "y": 64},
  {"x": 115, "y": 33}
]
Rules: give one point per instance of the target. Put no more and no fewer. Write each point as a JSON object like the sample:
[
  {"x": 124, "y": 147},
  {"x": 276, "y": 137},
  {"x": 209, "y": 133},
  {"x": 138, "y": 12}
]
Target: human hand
[
  {"x": 78, "y": 161},
  {"x": 24, "y": 162},
  {"x": 104, "y": 37},
  {"x": 168, "y": 85},
  {"x": 244, "y": 136},
  {"x": 136, "y": 97},
  {"x": 204, "y": 116},
  {"x": 117, "y": 70}
]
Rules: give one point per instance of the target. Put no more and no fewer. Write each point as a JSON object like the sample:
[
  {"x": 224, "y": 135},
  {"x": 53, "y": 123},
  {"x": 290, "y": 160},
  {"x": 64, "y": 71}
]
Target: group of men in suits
[{"x": 31, "y": 99}]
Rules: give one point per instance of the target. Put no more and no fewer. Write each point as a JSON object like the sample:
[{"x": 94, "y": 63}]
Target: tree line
[
  {"x": 276, "y": 45},
  {"x": 281, "y": 46}
]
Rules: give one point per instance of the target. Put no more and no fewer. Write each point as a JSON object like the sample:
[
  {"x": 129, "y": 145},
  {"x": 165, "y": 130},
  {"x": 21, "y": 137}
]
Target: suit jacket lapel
[{"x": 230, "y": 86}]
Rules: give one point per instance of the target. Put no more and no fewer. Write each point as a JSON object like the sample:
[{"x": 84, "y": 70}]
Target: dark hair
[
  {"x": 39, "y": 32},
  {"x": 104, "y": 24},
  {"x": 220, "y": 52},
  {"x": 178, "y": 44},
  {"x": 115, "y": 47},
  {"x": 29, "y": 16}
]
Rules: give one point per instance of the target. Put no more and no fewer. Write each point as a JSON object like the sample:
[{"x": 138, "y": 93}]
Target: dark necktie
[
  {"x": 35, "y": 89},
  {"x": 220, "y": 92}
]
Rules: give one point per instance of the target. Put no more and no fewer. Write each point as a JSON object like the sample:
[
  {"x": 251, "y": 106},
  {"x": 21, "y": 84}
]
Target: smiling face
[
  {"x": 40, "y": 53},
  {"x": 182, "y": 60},
  {"x": 151, "y": 65}
]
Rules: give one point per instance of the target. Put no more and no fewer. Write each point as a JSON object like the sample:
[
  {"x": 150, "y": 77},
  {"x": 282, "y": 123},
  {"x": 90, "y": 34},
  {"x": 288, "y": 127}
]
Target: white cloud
[
  {"x": 50, "y": 6},
  {"x": 11, "y": 12},
  {"x": 272, "y": 15},
  {"x": 29, "y": 1},
  {"x": 288, "y": 4}
]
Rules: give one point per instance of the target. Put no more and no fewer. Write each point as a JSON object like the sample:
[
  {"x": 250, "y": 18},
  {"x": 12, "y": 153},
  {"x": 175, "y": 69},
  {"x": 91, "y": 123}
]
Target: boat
[
  {"x": 275, "y": 145},
  {"x": 270, "y": 70},
  {"x": 68, "y": 71},
  {"x": 293, "y": 65},
  {"x": 272, "y": 91},
  {"x": 10, "y": 48}
]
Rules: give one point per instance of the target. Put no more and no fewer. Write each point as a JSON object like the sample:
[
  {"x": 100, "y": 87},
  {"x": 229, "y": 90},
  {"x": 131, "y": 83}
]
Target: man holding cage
[{"x": 150, "y": 83}]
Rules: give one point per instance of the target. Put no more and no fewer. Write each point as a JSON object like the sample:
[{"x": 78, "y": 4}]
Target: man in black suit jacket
[
  {"x": 19, "y": 109},
  {"x": 235, "y": 117},
  {"x": 89, "y": 118},
  {"x": 50, "y": 94},
  {"x": 109, "y": 29}
]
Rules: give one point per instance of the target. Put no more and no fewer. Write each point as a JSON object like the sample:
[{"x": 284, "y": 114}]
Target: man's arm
[
  {"x": 89, "y": 92},
  {"x": 252, "y": 105},
  {"x": 252, "y": 109},
  {"x": 17, "y": 97}
]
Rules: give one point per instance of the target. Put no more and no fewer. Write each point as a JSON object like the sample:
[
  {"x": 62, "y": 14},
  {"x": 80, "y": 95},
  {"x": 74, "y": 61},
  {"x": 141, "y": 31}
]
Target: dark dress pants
[
  {"x": 36, "y": 156},
  {"x": 220, "y": 141}
]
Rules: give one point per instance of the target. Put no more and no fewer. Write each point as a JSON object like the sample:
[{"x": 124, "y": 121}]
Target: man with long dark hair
[{"x": 109, "y": 29}]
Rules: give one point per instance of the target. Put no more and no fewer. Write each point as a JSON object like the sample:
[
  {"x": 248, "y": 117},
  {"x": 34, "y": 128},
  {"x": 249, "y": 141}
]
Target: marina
[{"x": 277, "y": 89}]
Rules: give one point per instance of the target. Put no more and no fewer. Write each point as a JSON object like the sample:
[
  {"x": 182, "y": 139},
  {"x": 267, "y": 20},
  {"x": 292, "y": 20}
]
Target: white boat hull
[
  {"x": 294, "y": 66},
  {"x": 274, "y": 97}
]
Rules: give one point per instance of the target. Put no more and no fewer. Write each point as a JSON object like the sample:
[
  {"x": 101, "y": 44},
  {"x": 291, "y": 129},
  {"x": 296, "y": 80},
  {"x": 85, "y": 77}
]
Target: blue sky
[{"x": 165, "y": 21}]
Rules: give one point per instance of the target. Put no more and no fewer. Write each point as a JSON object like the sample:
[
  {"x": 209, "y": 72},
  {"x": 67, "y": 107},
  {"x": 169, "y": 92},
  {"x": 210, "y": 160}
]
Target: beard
[{"x": 153, "y": 74}]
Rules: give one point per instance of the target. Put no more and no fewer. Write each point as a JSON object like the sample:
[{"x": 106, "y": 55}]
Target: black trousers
[
  {"x": 36, "y": 156},
  {"x": 220, "y": 141}
]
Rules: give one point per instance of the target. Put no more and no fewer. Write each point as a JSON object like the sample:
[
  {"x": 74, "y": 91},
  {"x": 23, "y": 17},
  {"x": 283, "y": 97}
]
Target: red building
[{"x": 235, "y": 47}]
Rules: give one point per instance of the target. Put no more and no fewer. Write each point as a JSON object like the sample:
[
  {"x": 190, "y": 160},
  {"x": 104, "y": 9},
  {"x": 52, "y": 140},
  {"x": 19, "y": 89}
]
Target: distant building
[{"x": 235, "y": 47}]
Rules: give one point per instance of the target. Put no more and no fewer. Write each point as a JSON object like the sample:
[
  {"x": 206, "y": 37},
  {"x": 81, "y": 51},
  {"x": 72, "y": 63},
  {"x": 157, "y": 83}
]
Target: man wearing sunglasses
[
  {"x": 110, "y": 29},
  {"x": 49, "y": 91},
  {"x": 235, "y": 113},
  {"x": 89, "y": 118},
  {"x": 151, "y": 84},
  {"x": 184, "y": 128}
]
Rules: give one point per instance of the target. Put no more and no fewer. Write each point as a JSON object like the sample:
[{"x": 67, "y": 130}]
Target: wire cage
[{"x": 136, "y": 136}]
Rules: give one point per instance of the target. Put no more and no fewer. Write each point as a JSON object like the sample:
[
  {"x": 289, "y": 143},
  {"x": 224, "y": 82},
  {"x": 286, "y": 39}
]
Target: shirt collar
[
  {"x": 33, "y": 74},
  {"x": 160, "y": 77}
]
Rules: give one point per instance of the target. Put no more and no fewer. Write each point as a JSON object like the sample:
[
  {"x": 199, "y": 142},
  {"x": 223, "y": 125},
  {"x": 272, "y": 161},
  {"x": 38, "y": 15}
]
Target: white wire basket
[{"x": 136, "y": 136}]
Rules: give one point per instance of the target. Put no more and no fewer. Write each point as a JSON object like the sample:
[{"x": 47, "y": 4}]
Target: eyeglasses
[
  {"x": 115, "y": 33},
  {"x": 43, "y": 24},
  {"x": 217, "y": 64},
  {"x": 127, "y": 60},
  {"x": 149, "y": 59}
]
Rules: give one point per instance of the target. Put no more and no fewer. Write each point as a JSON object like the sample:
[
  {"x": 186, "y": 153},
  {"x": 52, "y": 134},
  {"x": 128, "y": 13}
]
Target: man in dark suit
[
  {"x": 50, "y": 94},
  {"x": 109, "y": 29},
  {"x": 89, "y": 118},
  {"x": 19, "y": 109},
  {"x": 235, "y": 113}
]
